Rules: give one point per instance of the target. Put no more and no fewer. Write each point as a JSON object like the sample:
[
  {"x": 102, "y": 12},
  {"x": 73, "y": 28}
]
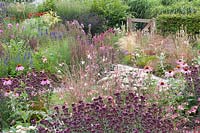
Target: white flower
[
  {"x": 18, "y": 131},
  {"x": 32, "y": 127},
  {"x": 19, "y": 127},
  {"x": 89, "y": 56},
  {"x": 82, "y": 62}
]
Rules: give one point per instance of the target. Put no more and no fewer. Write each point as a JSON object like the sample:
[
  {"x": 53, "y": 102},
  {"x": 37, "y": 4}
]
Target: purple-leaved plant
[{"x": 125, "y": 112}]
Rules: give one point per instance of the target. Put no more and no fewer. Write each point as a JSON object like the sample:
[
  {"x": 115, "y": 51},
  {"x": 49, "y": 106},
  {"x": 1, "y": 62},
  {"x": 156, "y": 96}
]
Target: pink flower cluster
[
  {"x": 100, "y": 38},
  {"x": 182, "y": 67},
  {"x": 193, "y": 109}
]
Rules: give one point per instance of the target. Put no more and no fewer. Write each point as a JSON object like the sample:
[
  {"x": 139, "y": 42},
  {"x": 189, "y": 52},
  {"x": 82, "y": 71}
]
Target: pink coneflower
[
  {"x": 148, "y": 69},
  {"x": 169, "y": 73},
  {"x": 1, "y": 31},
  {"x": 16, "y": 94},
  {"x": 162, "y": 84},
  {"x": 180, "y": 61},
  {"x": 7, "y": 93},
  {"x": 10, "y": 26},
  {"x": 183, "y": 65},
  {"x": 45, "y": 82},
  {"x": 186, "y": 70},
  {"x": 178, "y": 69},
  {"x": 198, "y": 99},
  {"x": 7, "y": 81},
  {"x": 19, "y": 67}
]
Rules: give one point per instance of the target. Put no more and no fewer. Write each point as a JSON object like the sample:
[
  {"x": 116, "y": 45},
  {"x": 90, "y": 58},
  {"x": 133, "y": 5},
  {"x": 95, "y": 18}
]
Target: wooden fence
[{"x": 150, "y": 27}]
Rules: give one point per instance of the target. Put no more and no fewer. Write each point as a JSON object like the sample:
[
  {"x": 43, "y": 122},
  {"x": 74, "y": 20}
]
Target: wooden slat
[{"x": 141, "y": 20}]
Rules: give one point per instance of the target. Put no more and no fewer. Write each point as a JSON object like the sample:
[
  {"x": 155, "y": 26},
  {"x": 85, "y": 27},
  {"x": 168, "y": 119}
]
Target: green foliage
[
  {"x": 168, "y": 2},
  {"x": 15, "y": 53},
  {"x": 72, "y": 9},
  {"x": 4, "y": 113},
  {"x": 80, "y": 10},
  {"x": 55, "y": 52},
  {"x": 20, "y": 11},
  {"x": 173, "y": 23},
  {"x": 115, "y": 11},
  {"x": 47, "y": 5},
  {"x": 31, "y": 26},
  {"x": 141, "y": 8},
  {"x": 144, "y": 60},
  {"x": 176, "y": 8}
]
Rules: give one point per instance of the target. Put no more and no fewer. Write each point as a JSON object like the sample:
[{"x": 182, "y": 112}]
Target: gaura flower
[
  {"x": 193, "y": 109},
  {"x": 1, "y": 31},
  {"x": 17, "y": 25},
  {"x": 10, "y": 26},
  {"x": 7, "y": 81},
  {"x": 19, "y": 67},
  {"x": 180, "y": 107},
  {"x": 89, "y": 56},
  {"x": 45, "y": 82}
]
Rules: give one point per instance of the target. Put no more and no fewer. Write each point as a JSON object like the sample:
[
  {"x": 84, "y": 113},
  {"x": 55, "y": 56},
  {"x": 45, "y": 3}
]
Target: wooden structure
[{"x": 150, "y": 27}]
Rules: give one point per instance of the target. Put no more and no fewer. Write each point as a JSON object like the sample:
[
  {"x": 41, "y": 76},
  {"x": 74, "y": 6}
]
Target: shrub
[
  {"x": 47, "y": 5},
  {"x": 172, "y": 23},
  {"x": 70, "y": 10},
  {"x": 168, "y": 2},
  {"x": 124, "y": 112},
  {"x": 115, "y": 11},
  {"x": 141, "y": 8},
  {"x": 177, "y": 8}
]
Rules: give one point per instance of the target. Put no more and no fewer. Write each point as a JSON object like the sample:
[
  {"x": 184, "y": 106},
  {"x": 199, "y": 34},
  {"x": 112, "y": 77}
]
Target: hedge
[{"x": 173, "y": 23}]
